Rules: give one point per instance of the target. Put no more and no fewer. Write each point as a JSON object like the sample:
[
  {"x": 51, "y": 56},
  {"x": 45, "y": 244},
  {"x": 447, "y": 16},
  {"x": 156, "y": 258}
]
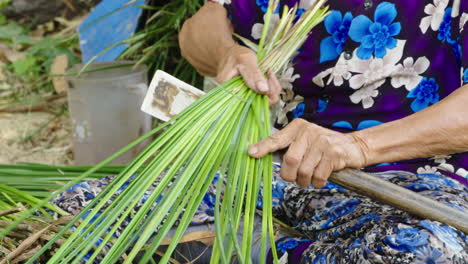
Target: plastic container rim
[{"x": 138, "y": 70}]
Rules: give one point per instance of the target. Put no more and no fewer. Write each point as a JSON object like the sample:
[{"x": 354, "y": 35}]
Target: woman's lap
[
  {"x": 349, "y": 228},
  {"x": 340, "y": 226}
]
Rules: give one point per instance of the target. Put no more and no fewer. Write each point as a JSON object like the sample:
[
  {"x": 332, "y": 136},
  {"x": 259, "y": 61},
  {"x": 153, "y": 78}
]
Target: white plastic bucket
[{"x": 105, "y": 111}]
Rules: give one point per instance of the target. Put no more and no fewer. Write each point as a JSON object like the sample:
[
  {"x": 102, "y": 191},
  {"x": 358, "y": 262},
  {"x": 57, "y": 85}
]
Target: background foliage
[{"x": 156, "y": 44}]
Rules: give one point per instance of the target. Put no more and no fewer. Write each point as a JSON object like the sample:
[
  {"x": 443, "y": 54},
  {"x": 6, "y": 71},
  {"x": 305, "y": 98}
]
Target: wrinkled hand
[
  {"x": 239, "y": 60},
  {"x": 314, "y": 152}
]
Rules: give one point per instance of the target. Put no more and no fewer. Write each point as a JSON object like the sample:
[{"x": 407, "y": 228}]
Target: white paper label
[{"x": 167, "y": 96}]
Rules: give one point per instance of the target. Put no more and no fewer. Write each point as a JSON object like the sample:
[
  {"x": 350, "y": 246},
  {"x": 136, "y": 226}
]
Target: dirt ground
[{"x": 52, "y": 145}]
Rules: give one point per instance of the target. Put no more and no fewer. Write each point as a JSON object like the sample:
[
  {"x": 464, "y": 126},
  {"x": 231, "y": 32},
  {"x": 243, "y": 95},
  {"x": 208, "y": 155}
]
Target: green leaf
[
  {"x": 47, "y": 49},
  {"x": 4, "y": 3},
  {"x": 25, "y": 66},
  {"x": 3, "y": 19},
  {"x": 11, "y": 31},
  {"x": 22, "y": 39}
]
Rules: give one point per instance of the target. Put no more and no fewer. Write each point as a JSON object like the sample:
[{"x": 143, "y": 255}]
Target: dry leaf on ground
[{"x": 59, "y": 67}]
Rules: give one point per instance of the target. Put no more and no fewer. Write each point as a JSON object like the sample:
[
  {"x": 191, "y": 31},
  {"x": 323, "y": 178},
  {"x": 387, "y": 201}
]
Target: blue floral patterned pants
[{"x": 337, "y": 225}]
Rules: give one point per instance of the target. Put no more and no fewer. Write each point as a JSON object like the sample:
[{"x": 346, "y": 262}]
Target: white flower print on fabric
[
  {"x": 287, "y": 78},
  {"x": 408, "y": 73},
  {"x": 222, "y": 2},
  {"x": 365, "y": 95},
  {"x": 446, "y": 167},
  {"x": 435, "y": 16},
  {"x": 257, "y": 28},
  {"x": 318, "y": 79},
  {"x": 463, "y": 20},
  {"x": 456, "y": 8},
  {"x": 288, "y": 100},
  {"x": 440, "y": 159},
  {"x": 462, "y": 172},
  {"x": 337, "y": 74},
  {"x": 306, "y": 4},
  {"x": 427, "y": 170},
  {"x": 284, "y": 258},
  {"x": 372, "y": 73},
  {"x": 286, "y": 107}
]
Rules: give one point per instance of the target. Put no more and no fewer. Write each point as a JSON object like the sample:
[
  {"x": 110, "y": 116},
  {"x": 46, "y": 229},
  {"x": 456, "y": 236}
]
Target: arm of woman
[
  {"x": 439, "y": 129},
  {"x": 315, "y": 152},
  {"x": 206, "y": 42}
]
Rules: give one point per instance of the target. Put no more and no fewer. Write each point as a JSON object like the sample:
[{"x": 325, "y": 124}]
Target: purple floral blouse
[{"x": 372, "y": 62}]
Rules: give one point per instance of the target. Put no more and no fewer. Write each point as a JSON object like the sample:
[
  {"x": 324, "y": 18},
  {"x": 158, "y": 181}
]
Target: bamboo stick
[{"x": 401, "y": 198}]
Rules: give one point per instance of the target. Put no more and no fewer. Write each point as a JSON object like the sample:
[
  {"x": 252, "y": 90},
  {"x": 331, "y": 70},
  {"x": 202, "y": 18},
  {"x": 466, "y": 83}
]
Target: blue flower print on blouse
[
  {"x": 407, "y": 239},
  {"x": 362, "y": 125},
  {"x": 337, "y": 26},
  {"x": 425, "y": 94},
  {"x": 263, "y": 4},
  {"x": 343, "y": 124},
  {"x": 299, "y": 111},
  {"x": 465, "y": 76},
  {"x": 299, "y": 13},
  {"x": 368, "y": 123},
  {"x": 445, "y": 33},
  {"x": 322, "y": 105},
  {"x": 378, "y": 36}
]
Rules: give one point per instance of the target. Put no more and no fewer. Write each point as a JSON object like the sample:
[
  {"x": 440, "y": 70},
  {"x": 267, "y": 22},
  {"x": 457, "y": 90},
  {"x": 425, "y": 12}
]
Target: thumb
[
  {"x": 250, "y": 71},
  {"x": 277, "y": 141}
]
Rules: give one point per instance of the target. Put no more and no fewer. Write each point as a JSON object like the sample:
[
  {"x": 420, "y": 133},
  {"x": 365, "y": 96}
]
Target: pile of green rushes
[
  {"x": 40, "y": 180},
  {"x": 31, "y": 234},
  {"x": 211, "y": 136},
  {"x": 11, "y": 196},
  {"x": 25, "y": 185}
]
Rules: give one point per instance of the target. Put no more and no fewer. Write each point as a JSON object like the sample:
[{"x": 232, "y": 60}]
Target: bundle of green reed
[{"x": 210, "y": 137}]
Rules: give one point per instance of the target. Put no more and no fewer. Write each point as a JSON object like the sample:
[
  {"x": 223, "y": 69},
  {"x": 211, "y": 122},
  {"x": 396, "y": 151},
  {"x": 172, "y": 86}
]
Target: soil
[
  {"x": 52, "y": 145},
  {"x": 34, "y": 12}
]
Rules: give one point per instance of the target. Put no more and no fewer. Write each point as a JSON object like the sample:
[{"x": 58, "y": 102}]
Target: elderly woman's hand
[
  {"x": 239, "y": 60},
  {"x": 314, "y": 152},
  {"x": 206, "y": 42}
]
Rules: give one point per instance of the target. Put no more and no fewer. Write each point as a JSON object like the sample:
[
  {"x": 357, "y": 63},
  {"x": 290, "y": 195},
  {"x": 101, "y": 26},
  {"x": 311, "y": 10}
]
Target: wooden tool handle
[{"x": 401, "y": 198}]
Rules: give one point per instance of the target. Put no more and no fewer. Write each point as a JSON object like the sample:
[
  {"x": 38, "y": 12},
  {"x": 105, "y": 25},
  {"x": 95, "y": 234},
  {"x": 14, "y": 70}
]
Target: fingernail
[
  {"x": 253, "y": 150},
  {"x": 262, "y": 86}
]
